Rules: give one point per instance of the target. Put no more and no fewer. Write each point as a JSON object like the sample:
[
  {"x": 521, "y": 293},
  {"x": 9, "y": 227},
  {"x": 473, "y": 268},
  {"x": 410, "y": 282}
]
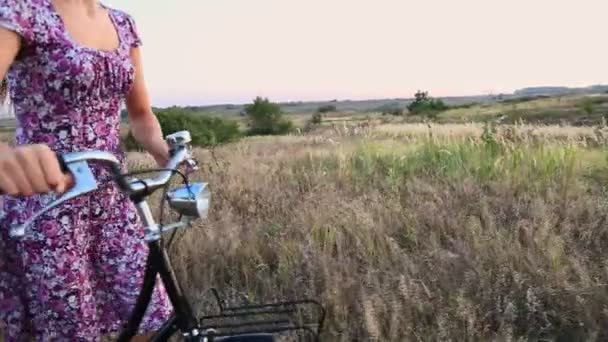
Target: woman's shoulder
[
  {"x": 122, "y": 17},
  {"x": 22, "y": 5},
  {"x": 24, "y": 9},
  {"x": 26, "y": 17},
  {"x": 126, "y": 22}
]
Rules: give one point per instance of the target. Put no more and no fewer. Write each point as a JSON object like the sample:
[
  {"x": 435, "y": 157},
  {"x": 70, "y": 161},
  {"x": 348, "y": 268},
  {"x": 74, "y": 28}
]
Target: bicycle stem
[{"x": 139, "y": 188}]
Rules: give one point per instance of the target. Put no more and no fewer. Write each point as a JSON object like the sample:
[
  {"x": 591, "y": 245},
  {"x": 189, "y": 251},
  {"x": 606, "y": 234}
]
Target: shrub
[
  {"x": 587, "y": 105},
  {"x": 205, "y": 131},
  {"x": 423, "y": 104},
  {"x": 266, "y": 118},
  {"x": 317, "y": 118},
  {"x": 313, "y": 122},
  {"x": 327, "y": 109}
]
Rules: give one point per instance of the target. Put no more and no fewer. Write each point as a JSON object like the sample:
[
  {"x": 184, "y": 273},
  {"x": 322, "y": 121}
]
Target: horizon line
[{"x": 365, "y": 99}]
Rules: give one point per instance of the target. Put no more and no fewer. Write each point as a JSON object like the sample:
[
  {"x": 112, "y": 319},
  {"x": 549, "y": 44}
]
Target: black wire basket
[{"x": 300, "y": 320}]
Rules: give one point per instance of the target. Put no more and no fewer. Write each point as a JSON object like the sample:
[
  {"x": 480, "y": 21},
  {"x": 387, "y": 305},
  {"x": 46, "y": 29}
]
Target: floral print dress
[{"x": 76, "y": 274}]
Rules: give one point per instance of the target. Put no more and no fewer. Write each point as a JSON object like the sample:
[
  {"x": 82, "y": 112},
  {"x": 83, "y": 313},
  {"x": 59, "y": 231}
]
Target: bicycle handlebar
[
  {"x": 139, "y": 188},
  {"x": 84, "y": 181},
  {"x": 136, "y": 187}
]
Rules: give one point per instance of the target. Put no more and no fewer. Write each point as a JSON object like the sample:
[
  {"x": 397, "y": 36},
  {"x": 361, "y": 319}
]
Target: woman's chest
[
  {"x": 65, "y": 70},
  {"x": 76, "y": 75}
]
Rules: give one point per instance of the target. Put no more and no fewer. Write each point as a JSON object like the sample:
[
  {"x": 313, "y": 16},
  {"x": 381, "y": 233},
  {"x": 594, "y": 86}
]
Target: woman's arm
[
  {"x": 143, "y": 123},
  {"x": 27, "y": 169}
]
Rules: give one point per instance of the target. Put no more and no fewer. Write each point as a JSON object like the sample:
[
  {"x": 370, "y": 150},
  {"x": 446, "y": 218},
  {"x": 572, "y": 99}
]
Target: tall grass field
[{"x": 411, "y": 232}]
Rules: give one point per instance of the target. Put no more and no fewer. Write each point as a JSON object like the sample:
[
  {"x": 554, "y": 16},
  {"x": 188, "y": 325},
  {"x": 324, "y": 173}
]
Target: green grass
[
  {"x": 548, "y": 110},
  {"x": 524, "y": 166}
]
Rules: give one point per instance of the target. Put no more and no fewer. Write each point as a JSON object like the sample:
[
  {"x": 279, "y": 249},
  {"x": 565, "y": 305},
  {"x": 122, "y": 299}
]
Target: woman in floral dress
[{"x": 70, "y": 64}]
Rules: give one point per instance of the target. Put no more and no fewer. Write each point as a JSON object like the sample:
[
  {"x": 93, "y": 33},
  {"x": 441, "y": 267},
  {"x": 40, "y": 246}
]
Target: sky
[{"x": 200, "y": 52}]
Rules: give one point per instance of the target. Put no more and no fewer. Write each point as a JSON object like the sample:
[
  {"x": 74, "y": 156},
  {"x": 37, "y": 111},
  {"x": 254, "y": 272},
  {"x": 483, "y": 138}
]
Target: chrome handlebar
[{"x": 191, "y": 200}]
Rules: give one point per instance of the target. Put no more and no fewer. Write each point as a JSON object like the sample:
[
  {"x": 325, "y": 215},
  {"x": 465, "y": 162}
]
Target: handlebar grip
[{"x": 62, "y": 165}]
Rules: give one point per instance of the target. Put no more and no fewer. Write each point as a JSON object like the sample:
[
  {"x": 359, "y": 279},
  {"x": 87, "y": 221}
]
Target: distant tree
[
  {"x": 266, "y": 118},
  {"x": 423, "y": 104},
  {"x": 421, "y": 96}
]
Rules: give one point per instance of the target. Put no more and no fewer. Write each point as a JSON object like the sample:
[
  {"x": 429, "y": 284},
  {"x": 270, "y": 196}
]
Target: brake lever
[
  {"x": 190, "y": 165},
  {"x": 84, "y": 182}
]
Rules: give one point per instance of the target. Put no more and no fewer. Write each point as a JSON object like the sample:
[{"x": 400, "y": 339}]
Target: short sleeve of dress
[
  {"x": 17, "y": 16},
  {"x": 134, "y": 37}
]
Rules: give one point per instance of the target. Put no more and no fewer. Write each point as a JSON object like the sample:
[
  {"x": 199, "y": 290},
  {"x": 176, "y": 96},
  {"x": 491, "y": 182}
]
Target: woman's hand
[
  {"x": 30, "y": 169},
  {"x": 160, "y": 151}
]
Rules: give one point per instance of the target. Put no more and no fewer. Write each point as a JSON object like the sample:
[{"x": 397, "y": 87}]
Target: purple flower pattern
[{"x": 77, "y": 273}]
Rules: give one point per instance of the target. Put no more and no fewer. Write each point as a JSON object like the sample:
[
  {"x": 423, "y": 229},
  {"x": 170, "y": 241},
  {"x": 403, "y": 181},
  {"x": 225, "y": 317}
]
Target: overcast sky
[{"x": 218, "y": 51}]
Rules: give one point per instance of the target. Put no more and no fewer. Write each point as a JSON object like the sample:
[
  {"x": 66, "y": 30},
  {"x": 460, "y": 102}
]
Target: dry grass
[
  {"x": 411, "y": 232},
  {"x": 406, "y": 236}
]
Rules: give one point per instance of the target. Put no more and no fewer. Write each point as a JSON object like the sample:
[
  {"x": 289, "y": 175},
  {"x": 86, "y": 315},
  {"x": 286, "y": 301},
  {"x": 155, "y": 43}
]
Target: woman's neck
[{"x": 90, "y": 6}]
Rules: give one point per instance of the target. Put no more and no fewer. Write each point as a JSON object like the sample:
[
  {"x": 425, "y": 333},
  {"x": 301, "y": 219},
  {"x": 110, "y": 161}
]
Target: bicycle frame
[
  {"x": 183, "y": 319},
  {"x": 190, "y": 201}
]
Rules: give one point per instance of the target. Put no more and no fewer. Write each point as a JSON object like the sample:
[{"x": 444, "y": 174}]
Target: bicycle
[{"x": 191, "y": 202}]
